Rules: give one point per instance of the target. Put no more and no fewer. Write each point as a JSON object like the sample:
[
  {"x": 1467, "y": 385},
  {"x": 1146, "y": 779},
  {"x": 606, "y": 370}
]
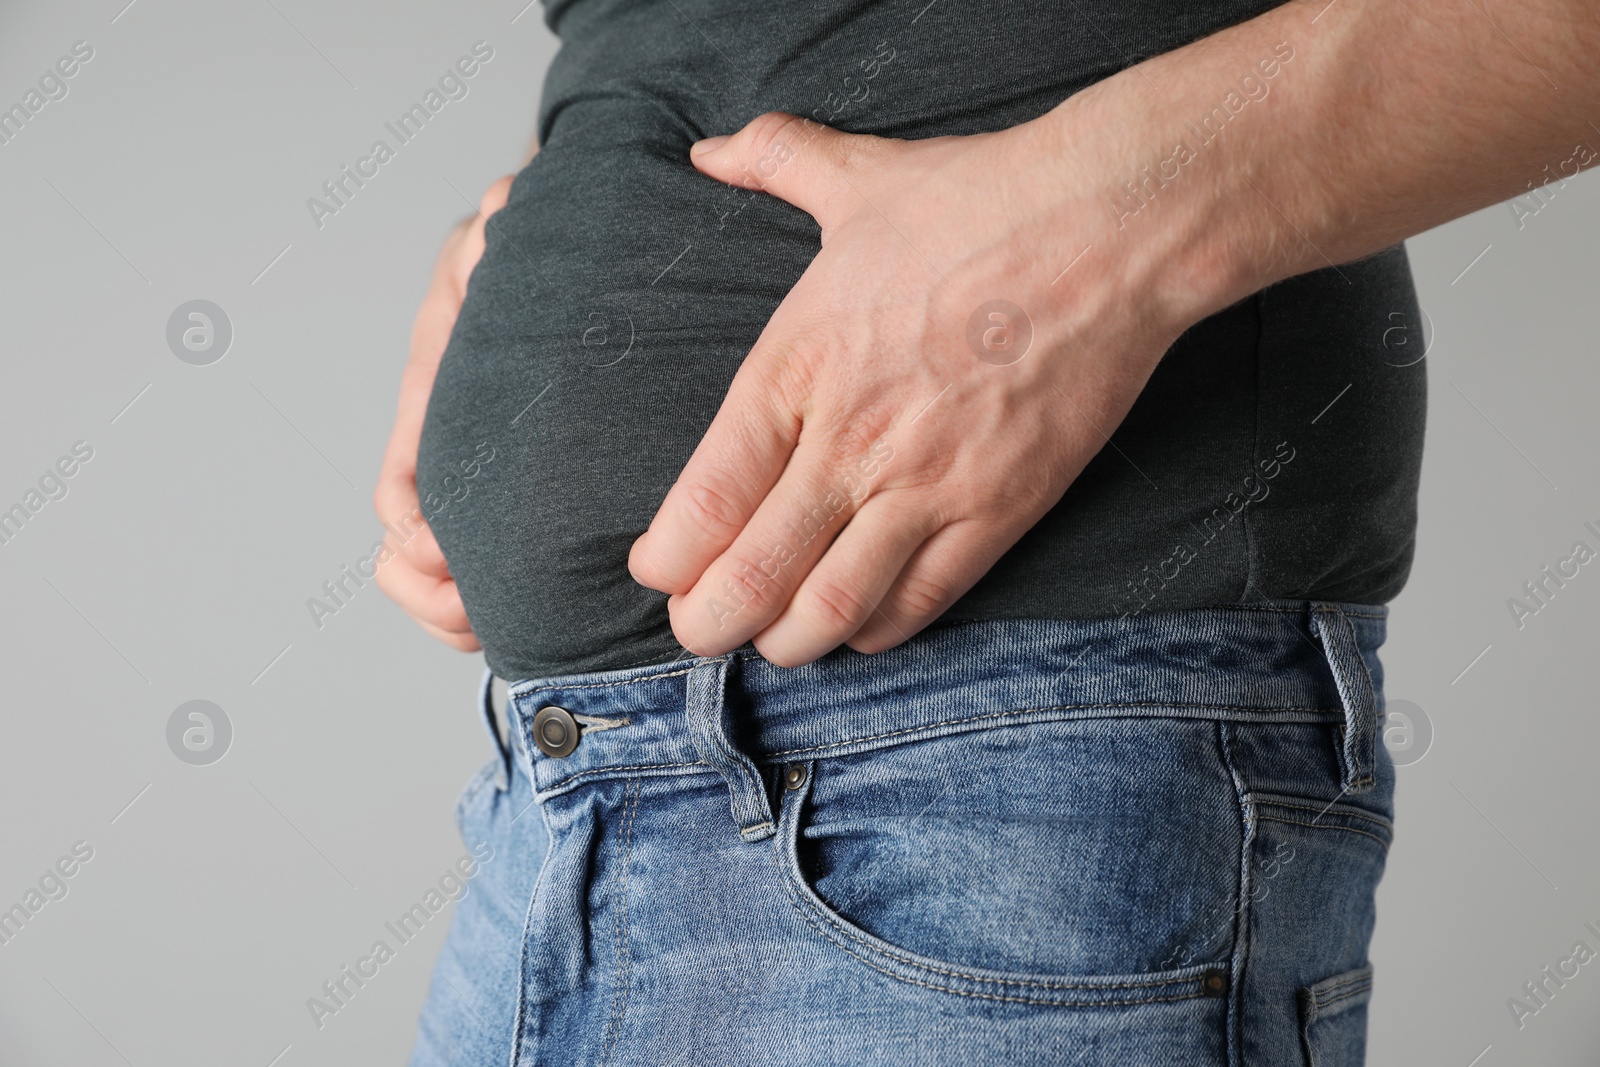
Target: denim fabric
[{"x": 1152, "y": 840}]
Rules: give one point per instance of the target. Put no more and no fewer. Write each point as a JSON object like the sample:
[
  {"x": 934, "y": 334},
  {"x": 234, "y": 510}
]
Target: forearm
[{"x": 1388, "y": 119}]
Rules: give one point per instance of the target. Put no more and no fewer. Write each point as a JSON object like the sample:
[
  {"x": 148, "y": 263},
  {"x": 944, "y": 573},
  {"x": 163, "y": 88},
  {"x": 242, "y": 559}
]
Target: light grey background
[{"x": 220, "y": 498}]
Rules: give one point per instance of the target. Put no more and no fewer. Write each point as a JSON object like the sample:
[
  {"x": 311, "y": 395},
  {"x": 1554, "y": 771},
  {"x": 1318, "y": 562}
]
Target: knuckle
[
  {"x": 770, "y": 142},
  {"x": 789, "y": 373},
  {"x": 714, "y": 508},
  {"x": 920, "y": 596},
  {"x": 748, "y": 587},
  {"x": 855, "y": 437},
  {"x": 837, "y": 605},
  {"x": 844, "y": 153}
]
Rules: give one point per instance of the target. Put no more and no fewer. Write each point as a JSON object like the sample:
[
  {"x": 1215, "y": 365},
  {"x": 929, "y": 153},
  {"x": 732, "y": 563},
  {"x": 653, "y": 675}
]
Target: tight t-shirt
[{"x": 1274, "y": 453}]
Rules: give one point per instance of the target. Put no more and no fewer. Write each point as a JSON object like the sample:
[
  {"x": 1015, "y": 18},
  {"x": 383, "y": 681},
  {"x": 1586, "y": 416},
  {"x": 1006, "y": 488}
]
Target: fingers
[
  {"x": 465, "y": 252},
  {"x": 937, "y": 575},
  {"x": 434, "y": 602},
  {"x": 731, "y": 471},
  {"x": 843, "y": 590},
  {"x": 495, "y": 197},
  {"x": 467, "y": 642},
  {"x": 395, "y": 500},
  {"x": 417, "y": 576},
  {"x": 745, "y": 588},
  {"x": 804, "y": 162}
]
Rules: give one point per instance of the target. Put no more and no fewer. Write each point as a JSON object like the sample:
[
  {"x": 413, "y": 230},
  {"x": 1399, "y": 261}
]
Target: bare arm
[{"x": 1388, "y": 119}]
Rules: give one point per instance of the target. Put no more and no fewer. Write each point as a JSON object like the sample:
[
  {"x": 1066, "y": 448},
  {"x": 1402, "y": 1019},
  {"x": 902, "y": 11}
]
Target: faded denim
[{"x": 1150, "y": 840}]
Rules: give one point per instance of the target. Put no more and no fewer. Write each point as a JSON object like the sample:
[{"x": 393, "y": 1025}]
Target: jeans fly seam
[
  {"x": 1241, "y": 927},
  {"x": 1016, "y": 712},
  {"x": 520, "y": 1020},
  {"x": 619, "y": 1002}
]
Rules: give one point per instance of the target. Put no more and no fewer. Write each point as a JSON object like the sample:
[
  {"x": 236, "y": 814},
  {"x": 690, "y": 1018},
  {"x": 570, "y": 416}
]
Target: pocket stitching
[
  {"x": 1320, "y": 826},
  {"x": 990, "y": 996},
  {"x": 1345, "y": 987},
  {"x": 1280, "y": 801},
  {"x": 804, "y": 898}
]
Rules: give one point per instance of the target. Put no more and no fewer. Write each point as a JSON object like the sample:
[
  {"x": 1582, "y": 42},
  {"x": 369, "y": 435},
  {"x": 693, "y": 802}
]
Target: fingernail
[{"x": 710, "y": 144}]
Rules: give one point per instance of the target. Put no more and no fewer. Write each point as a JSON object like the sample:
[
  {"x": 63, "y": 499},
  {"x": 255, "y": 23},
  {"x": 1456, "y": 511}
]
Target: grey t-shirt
[{"x": 1274, "y": 454}]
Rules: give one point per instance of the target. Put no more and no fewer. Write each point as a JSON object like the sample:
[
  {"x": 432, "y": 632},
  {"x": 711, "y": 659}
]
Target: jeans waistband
[{"x": 1275, "y": 662}]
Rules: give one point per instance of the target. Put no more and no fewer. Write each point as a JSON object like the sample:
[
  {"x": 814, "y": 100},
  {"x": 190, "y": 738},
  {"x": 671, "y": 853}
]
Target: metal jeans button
[
  {"x": 795, "y": 776},
  {"x": 555, "y": 731}
]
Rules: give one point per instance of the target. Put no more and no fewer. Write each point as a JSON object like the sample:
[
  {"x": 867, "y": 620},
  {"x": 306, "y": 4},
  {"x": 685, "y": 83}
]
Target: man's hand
[
  {"x": 415, "y": 575},
  {"x": 943, "y": 370},
  {"x": 985, "y": 310}
]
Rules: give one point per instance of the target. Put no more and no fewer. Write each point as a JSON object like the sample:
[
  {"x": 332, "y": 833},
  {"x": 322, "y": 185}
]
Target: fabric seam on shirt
[{"x": 1250, "y": 577}]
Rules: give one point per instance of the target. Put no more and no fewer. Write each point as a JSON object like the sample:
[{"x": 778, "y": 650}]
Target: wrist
[{"x": 1204, "y": 188}]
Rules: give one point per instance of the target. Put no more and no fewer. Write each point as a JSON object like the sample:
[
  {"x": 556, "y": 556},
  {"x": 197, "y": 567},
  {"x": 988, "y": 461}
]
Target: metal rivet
[
  {"x": 1213, "y": 983},
  {"x": 555, "y": 731},
  {"x": 794, "y": 777}
]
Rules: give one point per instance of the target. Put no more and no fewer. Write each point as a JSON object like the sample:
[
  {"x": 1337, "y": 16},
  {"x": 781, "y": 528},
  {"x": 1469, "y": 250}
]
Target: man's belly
[{"x": 620, "y": 289}]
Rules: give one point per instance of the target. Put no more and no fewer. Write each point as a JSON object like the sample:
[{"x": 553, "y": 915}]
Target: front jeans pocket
[
  {"x": 1064, "y": 863},
  {"x": 1333, "y": 1019}
]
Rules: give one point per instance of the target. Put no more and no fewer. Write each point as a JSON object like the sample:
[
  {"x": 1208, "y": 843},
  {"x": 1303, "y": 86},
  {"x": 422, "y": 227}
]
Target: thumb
[{"x": 810, "y": 165}]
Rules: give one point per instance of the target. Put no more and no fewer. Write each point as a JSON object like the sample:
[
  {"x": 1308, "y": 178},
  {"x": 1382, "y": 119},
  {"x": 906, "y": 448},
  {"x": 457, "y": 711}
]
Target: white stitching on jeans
[
  {"x": 619, "y": 1003},
  {"x": 1060, "y": 1003},
  {"x": 1029, "y": 711}
]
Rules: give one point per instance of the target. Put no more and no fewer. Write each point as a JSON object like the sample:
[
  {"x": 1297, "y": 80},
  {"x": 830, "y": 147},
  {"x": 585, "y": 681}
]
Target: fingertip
[
  {"x": 495, "y": 197},
  {"x": 425, "y": 554},
  {"x": 638, "y": 565},
  {"x": 648, "y": 569},
  {"x": 702, "y": 148}
]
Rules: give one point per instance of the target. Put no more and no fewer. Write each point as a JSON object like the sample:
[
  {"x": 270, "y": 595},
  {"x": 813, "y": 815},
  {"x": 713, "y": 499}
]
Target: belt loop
[
  {"x": 491, "y": 722},
  {"x": 1359, "y": 751},
  {"x": 707, "y": 710}
]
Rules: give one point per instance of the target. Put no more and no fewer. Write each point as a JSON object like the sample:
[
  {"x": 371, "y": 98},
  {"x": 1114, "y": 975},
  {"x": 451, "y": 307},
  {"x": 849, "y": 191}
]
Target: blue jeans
[{"x": 1152, "y": 840}]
